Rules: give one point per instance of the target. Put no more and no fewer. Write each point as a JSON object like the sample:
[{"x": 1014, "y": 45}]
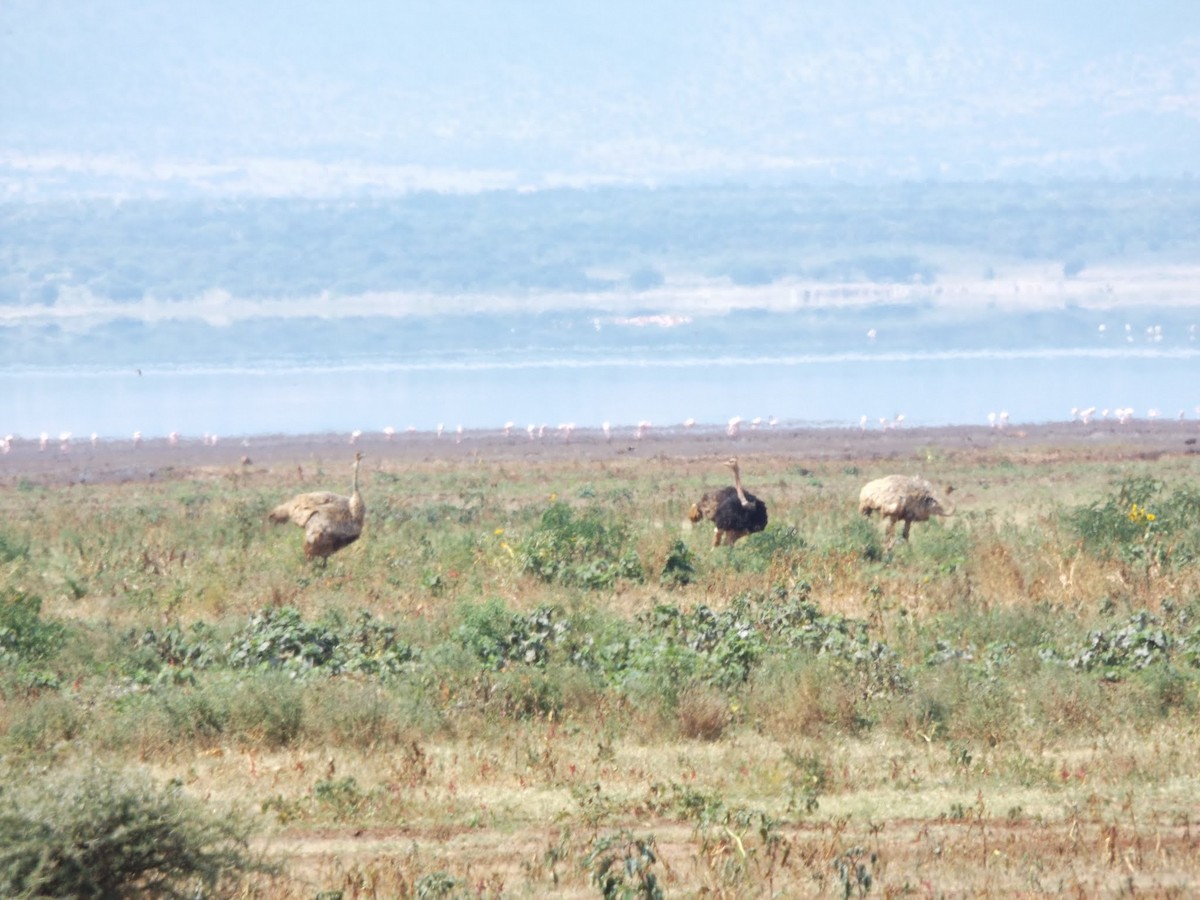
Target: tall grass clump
[{"x": 101, "y": 833}]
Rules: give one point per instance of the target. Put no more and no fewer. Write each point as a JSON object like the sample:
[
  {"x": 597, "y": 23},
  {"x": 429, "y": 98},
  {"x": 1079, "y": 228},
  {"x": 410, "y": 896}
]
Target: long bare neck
[
  {"x": 356, "y": 503},
  {"x": 737, "y": 482}
]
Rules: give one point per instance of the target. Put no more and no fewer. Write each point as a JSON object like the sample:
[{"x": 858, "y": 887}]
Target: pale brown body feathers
[
  {"x": 904, "y": 498},
  {"x": 330, "y": 521}
]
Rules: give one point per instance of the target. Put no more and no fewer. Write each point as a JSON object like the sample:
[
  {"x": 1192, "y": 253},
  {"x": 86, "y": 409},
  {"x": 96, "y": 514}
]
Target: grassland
[{"x": 532, "y": 676}]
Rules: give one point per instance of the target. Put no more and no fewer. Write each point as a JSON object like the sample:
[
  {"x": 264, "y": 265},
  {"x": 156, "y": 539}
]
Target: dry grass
[{"x": 792, "y": 784}]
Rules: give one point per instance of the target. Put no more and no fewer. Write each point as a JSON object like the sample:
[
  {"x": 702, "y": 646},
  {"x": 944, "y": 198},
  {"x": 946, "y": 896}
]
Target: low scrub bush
[
  {"x": 28, "y": 642},
  {"x": 590, "y": 549},
  {"x": 1141, "y": 524},
  {"x": 499, "y": 637},
  {"x": 277, "y": 639},
  {"x": 107, "y": 834}
]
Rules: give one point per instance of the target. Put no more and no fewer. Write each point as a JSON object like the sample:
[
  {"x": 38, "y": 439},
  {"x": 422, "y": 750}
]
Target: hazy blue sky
[{"x": 287, "y": 97}]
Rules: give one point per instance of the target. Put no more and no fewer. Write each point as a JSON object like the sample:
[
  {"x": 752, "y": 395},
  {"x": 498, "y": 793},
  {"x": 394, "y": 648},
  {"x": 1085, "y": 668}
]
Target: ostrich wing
[
  {"x": 302, "y": 507},
  {"x": 330, "y": 529},
  {"x": 733, "y": 515},
  {"x": 707, "y": 506}
]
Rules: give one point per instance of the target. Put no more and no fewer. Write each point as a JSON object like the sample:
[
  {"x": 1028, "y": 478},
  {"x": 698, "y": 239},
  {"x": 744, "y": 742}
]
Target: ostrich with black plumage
[{"x": 733, "y": 511}]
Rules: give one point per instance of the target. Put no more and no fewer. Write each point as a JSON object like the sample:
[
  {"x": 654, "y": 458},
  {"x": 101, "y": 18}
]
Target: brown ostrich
[
  {"x": 330, "y": 521},
  {"x": 904, "y": 498},
  {"x": 733, "y": 511}
]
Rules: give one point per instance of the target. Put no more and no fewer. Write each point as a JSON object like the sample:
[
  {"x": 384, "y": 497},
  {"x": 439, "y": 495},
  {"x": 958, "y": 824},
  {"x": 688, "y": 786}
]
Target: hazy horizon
[{"x": 146, "y": 98}]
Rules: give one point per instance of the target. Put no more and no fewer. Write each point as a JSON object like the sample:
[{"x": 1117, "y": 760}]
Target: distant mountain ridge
[{"x": 146, "y": 97}]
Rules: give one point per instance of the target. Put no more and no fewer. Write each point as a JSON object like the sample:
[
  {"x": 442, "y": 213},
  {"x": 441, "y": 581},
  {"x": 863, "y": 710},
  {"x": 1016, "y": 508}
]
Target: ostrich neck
[
  {"x": 356, "y": 503},
  {"x": 737, "y": 483}
]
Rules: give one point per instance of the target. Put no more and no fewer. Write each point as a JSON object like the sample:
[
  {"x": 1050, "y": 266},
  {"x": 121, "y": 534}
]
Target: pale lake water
[{"x": 582, "y": 369}]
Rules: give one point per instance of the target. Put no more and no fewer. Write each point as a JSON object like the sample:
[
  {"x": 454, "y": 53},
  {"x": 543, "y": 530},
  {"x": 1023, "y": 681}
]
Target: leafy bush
[
  {"x": 499, "y": 637},
  {"x": 12, "y": 548},
  {"x": 1141, "y": 641},
  {"x": 1139, "y": 523},
  {"x": 726, "y": 645},
  {"x": 107, "y": 834},
  {"x": 587, "y": 550},
  {"x": 28, "y": 642},
  {"x": 680, "y": 566},
  {"x": 24, "y": 636},
  {"x": 623, "y": 866},
  {"x": 281, "y": 638},
  {"x": 172, "y": 655},
  {"x": 770, "y": 545}
]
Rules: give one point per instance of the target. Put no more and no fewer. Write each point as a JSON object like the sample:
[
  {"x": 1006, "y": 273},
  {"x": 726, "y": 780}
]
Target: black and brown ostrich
[
  {"x": 733, "y": 511},
  {"x": 330, "y": 521}
]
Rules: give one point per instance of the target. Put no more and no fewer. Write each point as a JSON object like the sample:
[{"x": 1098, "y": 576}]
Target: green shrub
[
  {"x": 43, "y": 722},
  {"x": 499, "y": 637},
  {"x": 28, "y": 643},
  {"x": 24, "y": 635},
  {"x": 107, "y": 834},
  {"x": 776, "y": 543},
  {"x": 679, "y": 568},
  {"x": 623, "y": 866},
  {"x": 13, "y": 548},
  {"x": 589, "y": 550},
  {"x": 1139, "y": 523},
  {"x": 282, "y": 639}
]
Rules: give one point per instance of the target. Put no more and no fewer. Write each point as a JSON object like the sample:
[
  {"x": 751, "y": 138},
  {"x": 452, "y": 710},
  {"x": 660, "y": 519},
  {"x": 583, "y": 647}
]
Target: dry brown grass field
[{"x": 532, "y": 676}]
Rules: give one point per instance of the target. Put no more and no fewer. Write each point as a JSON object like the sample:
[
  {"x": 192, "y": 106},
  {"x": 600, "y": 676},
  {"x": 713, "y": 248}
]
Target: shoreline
[{"x": 120, "y": 461}]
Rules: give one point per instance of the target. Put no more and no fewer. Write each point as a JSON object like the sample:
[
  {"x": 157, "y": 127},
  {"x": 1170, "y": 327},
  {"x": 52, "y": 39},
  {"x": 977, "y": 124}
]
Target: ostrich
[
  {"x": 733, "y": 512},
  {"x": 903, "y": 498},
  {"x": 330, "y": 521}
]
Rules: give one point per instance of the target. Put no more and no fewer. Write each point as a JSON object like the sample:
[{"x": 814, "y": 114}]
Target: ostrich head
[{"x": 943, "y": 506}]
